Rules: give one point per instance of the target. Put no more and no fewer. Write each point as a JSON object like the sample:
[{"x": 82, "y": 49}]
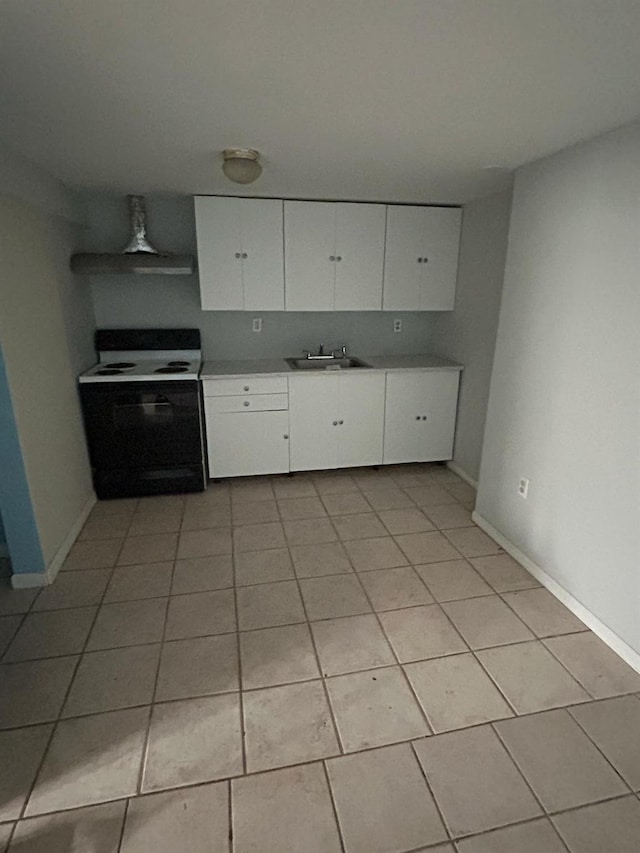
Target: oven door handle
[{"x": 160, "y": 401}]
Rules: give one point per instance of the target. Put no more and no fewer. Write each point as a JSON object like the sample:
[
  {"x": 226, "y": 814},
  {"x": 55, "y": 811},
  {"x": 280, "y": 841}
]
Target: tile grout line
[
  {"x": 564, "y": 666},
  {"x": 229, "y": 779},
  {"x": 147, "y": 738},
  {"x": 152, "y": 704},
  {"x": 327, "y": 698},
  {"x": 305, "y": 680},
  {"x": 334, "y": 806},
  {"x": 423, "y": 772},
  {"x": 243, "y": 722},
  {"x": 56, "y": 723},
  {"x": 393, "y": 652},
  {"x": 125, "y": 815},
  {"x": 493, "y": 681},
  {"x": 598, "y": 749},
  {"x": 520, "y": 772}
]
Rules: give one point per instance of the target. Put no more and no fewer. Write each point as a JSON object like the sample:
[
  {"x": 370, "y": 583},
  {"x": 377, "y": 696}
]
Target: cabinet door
[
  {"x": 359, "y": 256},
  {"x": 245, "y": 443},
  {"x": 309, "y": 245},
  {"x": 421, "y": 258},
  {"x": 313, "y": 419},
  {"x": 420, "y": 416},
  {"x": 360, "y": 419},
  {"x": 439, "y": 267},
  {"x": 219, "y": 253},
  {"x": 401, "y": 267},
  {"x": 262, "y": 254}
]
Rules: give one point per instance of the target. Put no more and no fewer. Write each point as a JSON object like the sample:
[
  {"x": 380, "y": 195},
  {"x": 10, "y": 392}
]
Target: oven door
[{"x": 137, "y": 425}]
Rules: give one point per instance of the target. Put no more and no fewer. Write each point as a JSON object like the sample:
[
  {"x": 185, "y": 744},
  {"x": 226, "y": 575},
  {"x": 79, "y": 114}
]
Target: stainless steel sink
[{"x": 325, "y": 363}]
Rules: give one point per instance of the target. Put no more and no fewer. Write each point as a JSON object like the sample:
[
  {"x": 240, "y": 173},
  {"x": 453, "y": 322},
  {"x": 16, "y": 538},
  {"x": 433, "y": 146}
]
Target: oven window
[{"x": 149, "y": 411}]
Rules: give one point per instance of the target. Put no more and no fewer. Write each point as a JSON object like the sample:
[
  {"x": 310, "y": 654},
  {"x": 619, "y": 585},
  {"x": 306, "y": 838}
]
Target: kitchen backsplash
[{"x": 129, "y": 301}]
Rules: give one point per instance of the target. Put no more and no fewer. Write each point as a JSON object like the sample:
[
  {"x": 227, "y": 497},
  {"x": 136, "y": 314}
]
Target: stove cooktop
[{"x": 148, "y": 369}]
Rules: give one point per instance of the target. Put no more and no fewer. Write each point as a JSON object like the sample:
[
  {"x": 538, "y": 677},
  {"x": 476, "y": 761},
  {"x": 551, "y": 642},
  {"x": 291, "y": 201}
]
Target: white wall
[
  {"x": 564, "y": 407},
  {"x": 46, "y": 327},
  {"x": 468, "y": 334}
]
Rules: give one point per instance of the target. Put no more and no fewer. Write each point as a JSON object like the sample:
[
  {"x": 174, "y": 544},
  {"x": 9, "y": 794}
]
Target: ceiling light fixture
[{"x": 241, "y": 165}]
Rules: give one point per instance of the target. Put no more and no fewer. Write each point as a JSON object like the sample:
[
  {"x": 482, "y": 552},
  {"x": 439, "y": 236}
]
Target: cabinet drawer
[
  {"x": 250, "y": 385},
  {"x": 248, "y": 403}
]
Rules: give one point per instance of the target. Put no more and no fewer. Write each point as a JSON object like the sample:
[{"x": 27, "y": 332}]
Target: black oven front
[{"x": 144, "y": 437}]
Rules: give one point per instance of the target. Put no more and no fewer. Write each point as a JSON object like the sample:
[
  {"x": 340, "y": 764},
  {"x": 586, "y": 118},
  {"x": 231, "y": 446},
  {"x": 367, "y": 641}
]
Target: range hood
[{"x": 138, "y": 256}]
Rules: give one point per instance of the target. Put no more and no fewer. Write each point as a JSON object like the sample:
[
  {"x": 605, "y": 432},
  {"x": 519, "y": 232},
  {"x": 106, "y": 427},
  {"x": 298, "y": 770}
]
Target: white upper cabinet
[
  {"x": 240, "y": 253},
  {"x": 421, "y": 258},
  {"x": 309, "y": 255},
  {"x": 334, "y": 255},
  {"x": 360, "y": 230}
]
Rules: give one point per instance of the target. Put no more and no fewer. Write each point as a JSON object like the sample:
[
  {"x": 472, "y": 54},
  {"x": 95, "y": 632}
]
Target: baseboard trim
[
  {"x": 615, "y": 643},
  {"x": 462, "y": 474},
  {"x": 30, "y": 580}
]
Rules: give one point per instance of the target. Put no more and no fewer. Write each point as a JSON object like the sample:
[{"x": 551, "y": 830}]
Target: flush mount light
[{"x": 241, "y": 165}]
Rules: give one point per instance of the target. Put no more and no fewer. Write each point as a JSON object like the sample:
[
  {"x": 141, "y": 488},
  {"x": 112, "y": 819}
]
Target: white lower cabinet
[
  {"x": 420, "y": 416},
  {"x": 271, "y": 425},
  {"x": 247, "y": 426},
  {"x": 245, "y": 443},
  {"x": 337, "y": 421}
]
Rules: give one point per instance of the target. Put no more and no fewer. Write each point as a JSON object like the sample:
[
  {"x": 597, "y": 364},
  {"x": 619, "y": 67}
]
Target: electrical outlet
[
  {"x": 397, "y": 325},
  {"x": 257, "y": 324},
  {"x": 523, "y": 487}
]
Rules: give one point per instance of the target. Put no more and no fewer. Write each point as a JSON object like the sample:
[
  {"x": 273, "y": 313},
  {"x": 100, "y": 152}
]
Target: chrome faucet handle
[{"x": 343, "y": 350}]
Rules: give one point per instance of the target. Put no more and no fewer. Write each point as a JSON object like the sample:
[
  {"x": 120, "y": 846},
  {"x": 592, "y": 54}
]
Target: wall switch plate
[
  {"x": 257, "y": 324},
  {"x": 523, "y": 487},
  {"x": 397, "y": 325}
]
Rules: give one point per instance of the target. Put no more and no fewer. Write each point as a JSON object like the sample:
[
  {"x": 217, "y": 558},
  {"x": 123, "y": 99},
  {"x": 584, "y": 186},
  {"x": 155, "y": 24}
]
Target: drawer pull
[
  {"x": 285, "y": 436},
  {"x": 246, "y": 402},
  {"x": 246, "y": 387}
]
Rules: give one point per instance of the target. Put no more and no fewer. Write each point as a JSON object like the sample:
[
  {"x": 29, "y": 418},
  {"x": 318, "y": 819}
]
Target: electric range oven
[{"x": 143, "y": 412}]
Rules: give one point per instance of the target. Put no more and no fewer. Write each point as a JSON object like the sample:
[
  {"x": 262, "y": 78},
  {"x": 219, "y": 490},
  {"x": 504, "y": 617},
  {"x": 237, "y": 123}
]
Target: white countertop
[{"x": 279, "y": 367}]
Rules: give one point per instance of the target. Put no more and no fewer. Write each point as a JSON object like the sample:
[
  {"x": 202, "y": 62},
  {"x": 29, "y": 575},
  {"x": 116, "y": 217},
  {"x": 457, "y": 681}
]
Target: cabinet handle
[
  {"x": 244, "y": 254},
  {"x": 340, "y": 422},
  {"x": 335, "y": 423},
  {"x": 238, "y": 255},
  {"x": 425, "y": 260},
  {"x": 246, "y": 402},
  {"x": 424, "y": 417},
  {"x": 417, "y": 417},
  {"x": 419, "y": 260},
  {"x": 338, "y": 258},
  {"x": 285, "y": 436},
  {"x": 246, "y": 387},
  {"x": 332, "y": 257}
]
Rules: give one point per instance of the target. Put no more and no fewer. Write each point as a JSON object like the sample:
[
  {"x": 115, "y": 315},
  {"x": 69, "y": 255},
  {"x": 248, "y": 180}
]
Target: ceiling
[{"x": 399, "y": 100}]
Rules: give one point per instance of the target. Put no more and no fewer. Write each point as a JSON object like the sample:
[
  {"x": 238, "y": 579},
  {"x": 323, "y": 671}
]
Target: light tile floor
[{"x": 339, "y": 661}]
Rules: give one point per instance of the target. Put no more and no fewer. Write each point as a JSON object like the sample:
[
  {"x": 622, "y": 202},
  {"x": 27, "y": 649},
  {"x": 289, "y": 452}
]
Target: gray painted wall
[
  {"x": 564, "y": 406},
  {"x": 468, "y": 334},
  {"x": 175, "y": 301}
]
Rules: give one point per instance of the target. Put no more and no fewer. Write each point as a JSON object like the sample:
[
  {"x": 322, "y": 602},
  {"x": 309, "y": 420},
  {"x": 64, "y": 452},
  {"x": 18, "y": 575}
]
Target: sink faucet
[{"x": 319, "y": 355}]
